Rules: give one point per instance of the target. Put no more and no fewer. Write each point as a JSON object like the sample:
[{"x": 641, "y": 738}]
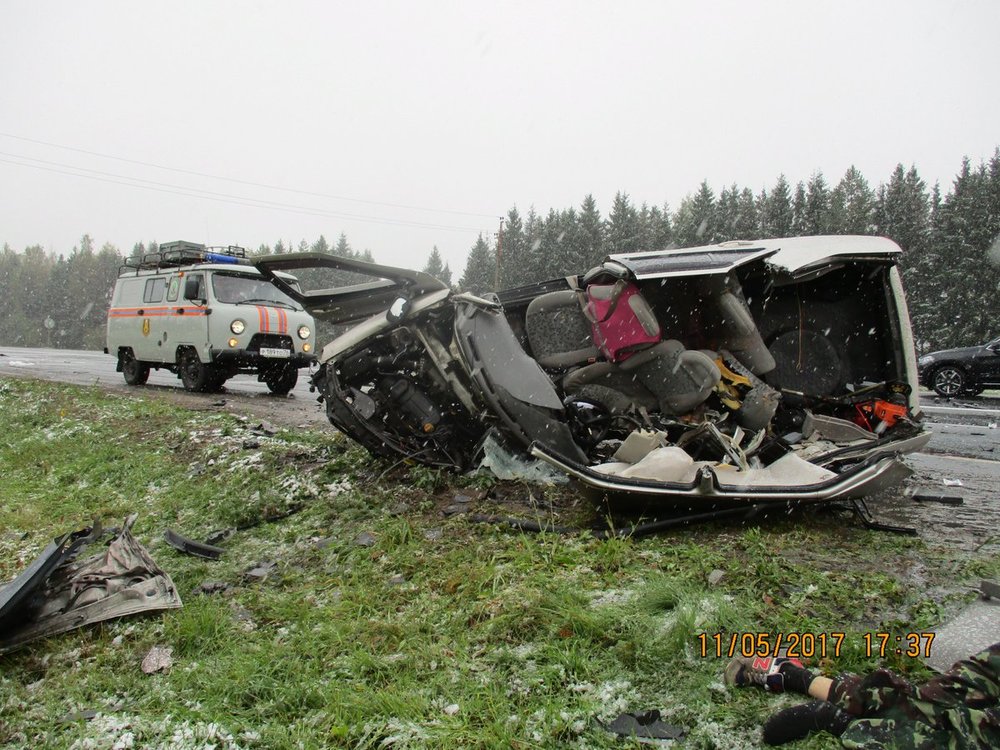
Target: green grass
[{"x": 439, "y": 634}]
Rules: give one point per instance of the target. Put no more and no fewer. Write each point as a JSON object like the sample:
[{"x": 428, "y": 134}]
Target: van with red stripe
[{"x": 206, "y": 314}]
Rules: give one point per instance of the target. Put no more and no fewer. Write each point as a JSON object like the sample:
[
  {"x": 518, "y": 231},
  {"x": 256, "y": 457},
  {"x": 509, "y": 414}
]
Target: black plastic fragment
[
  {"x": 935, "y": 497},
  {"x": 220, "y": 536},
  {"x": 645, "y": 724},
  {"x": 191, "y": 547}
]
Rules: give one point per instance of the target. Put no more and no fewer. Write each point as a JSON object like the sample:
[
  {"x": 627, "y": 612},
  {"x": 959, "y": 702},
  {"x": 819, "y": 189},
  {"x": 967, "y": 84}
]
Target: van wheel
[
  {"x": 195, "y": 374},
  {"x": 281, "y": 380},
  {"x": 217, "y": 382},
  {"x": 135, "y": 372}
]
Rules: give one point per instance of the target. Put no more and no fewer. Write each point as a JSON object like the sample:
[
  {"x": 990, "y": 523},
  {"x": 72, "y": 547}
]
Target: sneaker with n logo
[{"x": 764, "y": 671}]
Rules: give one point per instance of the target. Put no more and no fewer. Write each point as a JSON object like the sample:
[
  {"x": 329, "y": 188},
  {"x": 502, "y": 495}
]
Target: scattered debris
[
  {"x": 451, "y": 709},
  {"x": 644, "y": 725},
  {"x": 212, "y": 587},
  {"x": 325, "y": 542},
  {"x": 260, "y": 571},
  {"x": 397, "y": 580},
  {"x": 715, "y": 577},
  {"x": 433, "y": 535},
  {"x": 220, "y": 536},
  {"x": 58, "y": 593},
  {"x": 75, "y": 716},
  {"x": 952, "y": 482},
  {"x": 191, "y": 547},
  {"x": 455, "y": 509},
  {"x": 251, "y": 444},
  {"x": 242, "y": 615},
  {"x": 504, "y": 464},
  {"x": 935, "y": 497},
  {"x": 364, "y": 539},
  {"x": 264, "y": 428},
  {"x": 158, "y": 659}
]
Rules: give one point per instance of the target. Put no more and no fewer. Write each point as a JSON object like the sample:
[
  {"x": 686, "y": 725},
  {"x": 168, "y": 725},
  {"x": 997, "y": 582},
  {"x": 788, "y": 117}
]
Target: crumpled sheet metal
[{"x": 118, "y": 581}]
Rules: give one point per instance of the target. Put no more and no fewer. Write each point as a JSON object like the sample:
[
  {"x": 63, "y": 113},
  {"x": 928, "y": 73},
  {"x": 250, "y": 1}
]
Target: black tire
[
  {"x": 281, "y": 379},
  {"x": 196, "y": 375},
  {"x": 948, "y": 381},
  {"x": 217, "y": 382},
  {"x": 974, "y": 390},
  {"x": 134, "y": 371}
]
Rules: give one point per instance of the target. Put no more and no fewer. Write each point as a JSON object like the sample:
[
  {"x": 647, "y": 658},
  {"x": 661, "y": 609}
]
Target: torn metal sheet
[
  {"x": 59, "y": 551},
  {"x": 120, "y": 580}
]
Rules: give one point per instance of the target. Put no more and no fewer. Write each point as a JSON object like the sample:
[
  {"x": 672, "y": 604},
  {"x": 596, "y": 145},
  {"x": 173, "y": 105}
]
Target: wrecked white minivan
[{"x": 769, "y": 372}]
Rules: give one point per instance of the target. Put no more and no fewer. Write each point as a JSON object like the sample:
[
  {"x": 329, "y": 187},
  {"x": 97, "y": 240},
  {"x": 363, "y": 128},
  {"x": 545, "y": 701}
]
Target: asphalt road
[
  {"x": 962, "y": 459},
  {"x": 243, "y": 394},
  {"x": 98, "y": 368}
]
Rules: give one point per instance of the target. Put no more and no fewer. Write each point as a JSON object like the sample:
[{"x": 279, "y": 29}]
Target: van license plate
[{"x": 266, "y": 351}]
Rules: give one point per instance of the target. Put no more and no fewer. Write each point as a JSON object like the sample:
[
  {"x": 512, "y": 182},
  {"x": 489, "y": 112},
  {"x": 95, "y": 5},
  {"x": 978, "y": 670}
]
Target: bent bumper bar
[{"x": 708, "y": 492}]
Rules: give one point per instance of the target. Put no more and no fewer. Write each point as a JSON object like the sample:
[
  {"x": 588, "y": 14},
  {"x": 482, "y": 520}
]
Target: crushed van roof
[{"x": 791, "y": 254}]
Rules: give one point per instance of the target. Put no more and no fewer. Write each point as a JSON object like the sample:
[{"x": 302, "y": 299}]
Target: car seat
[
  {"x": 664, "y": 376},
  {"x": 729, "y": 324}
]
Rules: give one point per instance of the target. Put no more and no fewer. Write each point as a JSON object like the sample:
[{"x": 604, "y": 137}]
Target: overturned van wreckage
[{"x": 771, "y": 372}]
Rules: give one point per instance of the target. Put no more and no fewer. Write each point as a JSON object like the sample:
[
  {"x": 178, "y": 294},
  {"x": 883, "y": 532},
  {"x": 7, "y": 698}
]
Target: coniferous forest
[{"x": 950, "y": 242}]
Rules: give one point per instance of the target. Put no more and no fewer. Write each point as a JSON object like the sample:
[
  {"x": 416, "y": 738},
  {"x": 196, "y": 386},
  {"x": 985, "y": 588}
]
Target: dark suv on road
[{"x": 958, "y": 372}]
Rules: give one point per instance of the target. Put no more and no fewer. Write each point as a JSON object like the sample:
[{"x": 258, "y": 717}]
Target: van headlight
[
  {"x": 237, "y": 326},
  {"x": 304, "y": 332}
]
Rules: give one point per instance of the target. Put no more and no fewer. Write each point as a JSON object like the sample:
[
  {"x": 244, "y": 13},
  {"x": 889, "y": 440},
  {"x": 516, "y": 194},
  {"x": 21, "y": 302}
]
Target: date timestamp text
[{"x": 808, "y": 645}]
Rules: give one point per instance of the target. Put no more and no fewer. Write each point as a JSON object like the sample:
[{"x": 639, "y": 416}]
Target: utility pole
[{"x": 496, "y": 275}]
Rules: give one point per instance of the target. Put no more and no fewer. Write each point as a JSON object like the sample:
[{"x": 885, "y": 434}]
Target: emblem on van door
[{"x": 145, "y": 327}]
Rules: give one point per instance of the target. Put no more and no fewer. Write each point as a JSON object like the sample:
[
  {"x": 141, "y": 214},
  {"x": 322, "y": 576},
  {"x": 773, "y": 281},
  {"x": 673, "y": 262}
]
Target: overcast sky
[{"x": 412, "y": 124}]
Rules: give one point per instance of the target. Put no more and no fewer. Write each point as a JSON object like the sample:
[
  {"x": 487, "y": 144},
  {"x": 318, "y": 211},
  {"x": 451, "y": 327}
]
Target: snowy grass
[{"x": 438, "y": 633}]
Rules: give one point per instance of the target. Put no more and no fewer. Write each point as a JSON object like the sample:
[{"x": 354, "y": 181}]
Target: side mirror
[
  {"x": 192, "y": 289},
  {"x": 397, "y": 310}
]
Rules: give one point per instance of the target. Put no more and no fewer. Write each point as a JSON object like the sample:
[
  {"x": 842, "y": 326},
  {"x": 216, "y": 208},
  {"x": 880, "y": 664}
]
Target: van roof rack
[{"x": 181, "y": 253}]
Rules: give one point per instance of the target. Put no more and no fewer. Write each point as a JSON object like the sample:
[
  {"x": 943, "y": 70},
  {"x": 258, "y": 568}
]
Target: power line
[
  {"x": 255, "y": 201},
  {"x": 246, "y": 182},
  {"x": 235, "y": 200}
]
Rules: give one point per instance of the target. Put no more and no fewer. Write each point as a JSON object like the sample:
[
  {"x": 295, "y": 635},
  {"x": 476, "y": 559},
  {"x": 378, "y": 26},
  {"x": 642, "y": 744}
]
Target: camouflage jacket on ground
[{"x": 959, "y": 709}]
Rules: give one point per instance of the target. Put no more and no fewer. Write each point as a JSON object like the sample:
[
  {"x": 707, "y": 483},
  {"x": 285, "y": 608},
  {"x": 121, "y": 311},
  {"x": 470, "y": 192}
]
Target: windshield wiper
[{"x": 258, "y": 301}]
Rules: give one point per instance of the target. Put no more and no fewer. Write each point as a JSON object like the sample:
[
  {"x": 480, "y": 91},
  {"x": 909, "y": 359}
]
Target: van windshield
[{"x": 238, "y": 289}]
